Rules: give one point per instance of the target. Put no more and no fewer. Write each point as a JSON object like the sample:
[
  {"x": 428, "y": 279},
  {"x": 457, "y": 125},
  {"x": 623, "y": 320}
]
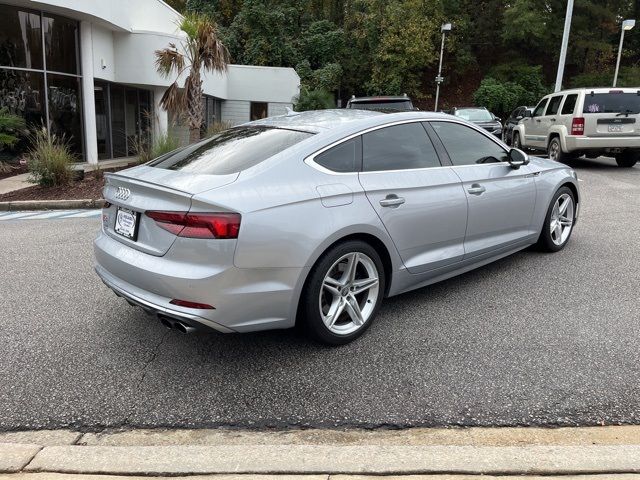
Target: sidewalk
[{"x": 224, "y": 454}]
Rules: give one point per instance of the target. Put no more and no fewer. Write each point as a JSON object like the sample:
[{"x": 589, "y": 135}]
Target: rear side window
[
  {"x": 466, "y": 146},
  {"x": 554, "y": 105},
  {"x": 611, "y": 103},
  {"x": 231, "y": 151},
  {"x": 400, "y": 147},
  {"x": 569, "y": 104},
  {"x": 540, "y": 108},
  {"x": 342, "y": 158}
]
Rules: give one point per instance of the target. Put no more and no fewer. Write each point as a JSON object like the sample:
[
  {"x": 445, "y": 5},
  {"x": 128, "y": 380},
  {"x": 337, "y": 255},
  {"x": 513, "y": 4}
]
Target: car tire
[
  {"x": 559, "y": 221},
  {"x": 331, "y": 299},
  {"x": 554, "y": 151},
  {"x": 515, "y": 140},
  {"x": 627, "y": 159}
]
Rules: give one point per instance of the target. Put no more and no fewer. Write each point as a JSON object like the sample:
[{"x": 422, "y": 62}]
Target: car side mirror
[
  {"x": 519, "y": 117},
  {"x": 517, "y": 158},
  {"x": 528, "y": 113},
  {"x": 497, "y": 119}
]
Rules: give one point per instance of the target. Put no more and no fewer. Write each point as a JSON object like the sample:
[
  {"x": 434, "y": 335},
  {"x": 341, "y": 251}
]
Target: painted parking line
[{"x": 50, "y": 215}]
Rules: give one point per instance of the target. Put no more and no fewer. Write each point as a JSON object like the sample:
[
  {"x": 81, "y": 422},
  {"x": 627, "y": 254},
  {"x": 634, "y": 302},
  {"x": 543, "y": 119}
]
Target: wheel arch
[
  {"x": 560, "y": 132},
  {"x": 387, "y": 256}
]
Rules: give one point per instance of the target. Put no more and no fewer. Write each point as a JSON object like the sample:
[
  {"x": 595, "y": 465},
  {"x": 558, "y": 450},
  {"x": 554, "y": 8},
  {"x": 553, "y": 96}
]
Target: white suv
[{"x": 584, "y": 121}]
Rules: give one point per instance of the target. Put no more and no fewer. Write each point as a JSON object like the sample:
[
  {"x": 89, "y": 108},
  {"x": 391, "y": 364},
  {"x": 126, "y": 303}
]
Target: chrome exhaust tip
[
  {"x": 183, "y": 328},
  {"x": 166, "y": 322}
]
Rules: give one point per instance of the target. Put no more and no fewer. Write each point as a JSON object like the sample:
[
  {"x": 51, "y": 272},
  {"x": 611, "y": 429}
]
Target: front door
[
  {"x": 421, "y": 204},
  {"x": 501, "y": 199}
]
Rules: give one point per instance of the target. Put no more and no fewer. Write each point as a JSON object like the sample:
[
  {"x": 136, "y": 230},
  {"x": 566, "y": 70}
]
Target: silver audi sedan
[{"x": 313, "y": 218}]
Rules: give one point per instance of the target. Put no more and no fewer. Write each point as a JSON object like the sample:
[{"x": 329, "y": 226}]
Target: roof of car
[{"x": 325, "y": 120}]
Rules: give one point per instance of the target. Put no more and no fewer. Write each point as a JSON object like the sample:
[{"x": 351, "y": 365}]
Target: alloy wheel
[
  {"x": 349, "y": 293},
  {"x": 515, "y": 141},
  {"x": 561, "y": 219}
]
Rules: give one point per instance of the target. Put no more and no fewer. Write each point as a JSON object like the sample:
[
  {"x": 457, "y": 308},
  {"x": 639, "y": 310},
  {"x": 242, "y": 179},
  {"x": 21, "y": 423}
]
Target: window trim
[
  {"x": 310, "y": 159},
  {"x": 566, "y": 97},
  {"x": 443, "y": 155},
  {"x": 546, "y": 110}
]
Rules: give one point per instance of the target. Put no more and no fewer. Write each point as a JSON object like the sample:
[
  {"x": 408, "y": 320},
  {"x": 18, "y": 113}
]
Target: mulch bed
[{"x": 88, "y": 188}]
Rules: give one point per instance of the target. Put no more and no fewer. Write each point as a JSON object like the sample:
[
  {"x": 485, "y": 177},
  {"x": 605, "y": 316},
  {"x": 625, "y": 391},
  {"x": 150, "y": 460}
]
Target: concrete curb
[
  {"x": 607, "y": 452},
  {"x": 30, "y": 205},
  {"x": 314, "y": 459}
]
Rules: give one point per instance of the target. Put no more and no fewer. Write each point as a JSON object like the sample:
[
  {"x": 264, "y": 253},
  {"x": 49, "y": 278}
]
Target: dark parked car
[
  {"x": 515, "y": 117},
  {"x": 382, "y": 104},
  {"x": 481, "y": 117}
]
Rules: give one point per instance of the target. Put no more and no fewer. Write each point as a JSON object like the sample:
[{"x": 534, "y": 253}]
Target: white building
[{"x": 85, "y": 68}]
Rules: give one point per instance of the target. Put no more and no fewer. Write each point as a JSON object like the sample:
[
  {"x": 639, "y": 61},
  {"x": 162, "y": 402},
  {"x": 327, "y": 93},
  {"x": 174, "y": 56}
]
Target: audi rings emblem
[{"x": 122, "y": 193}]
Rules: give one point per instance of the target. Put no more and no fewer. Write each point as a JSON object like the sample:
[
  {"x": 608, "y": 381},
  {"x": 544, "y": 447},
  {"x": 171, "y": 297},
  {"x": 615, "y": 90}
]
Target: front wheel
[
  {"x": 343, "y": 293},
  {"x": 627, "y": 159},
  {"x": 559, "y": 221}
]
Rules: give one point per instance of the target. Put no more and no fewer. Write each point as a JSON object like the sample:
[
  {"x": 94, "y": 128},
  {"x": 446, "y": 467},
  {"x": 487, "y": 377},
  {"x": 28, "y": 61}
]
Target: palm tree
[{"x": 201, "y": 48}]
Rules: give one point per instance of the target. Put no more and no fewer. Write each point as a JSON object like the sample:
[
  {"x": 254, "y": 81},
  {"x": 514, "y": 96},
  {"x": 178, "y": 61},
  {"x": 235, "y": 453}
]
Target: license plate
[
  {"x": 615, "y": 128},
  {"x": 126, "y": 223}
]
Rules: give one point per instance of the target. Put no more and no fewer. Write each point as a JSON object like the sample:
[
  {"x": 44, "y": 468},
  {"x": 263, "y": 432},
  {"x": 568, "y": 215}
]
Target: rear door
[
  {"x": 501, "y": 199},
  {"x": 421, "y": 203},
  {"x": 611, "y": 113},
  {"x": 551, "y": 116},
  {"x": 567, "y": 111}
]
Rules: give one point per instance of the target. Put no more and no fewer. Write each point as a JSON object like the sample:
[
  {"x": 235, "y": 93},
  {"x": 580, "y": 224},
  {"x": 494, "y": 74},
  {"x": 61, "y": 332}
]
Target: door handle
[
  {"x": 476, "y": 189},
  {"x": 538, "y": 121},
  {"x": 392, "y": 201},
  {"x": 553, "y": 119}
]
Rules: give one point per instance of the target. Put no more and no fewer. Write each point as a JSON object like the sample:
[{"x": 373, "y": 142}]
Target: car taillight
[
  {"x": 198, "y": 225},
  {"x": 577, "y": 126},
  {"x": 188, "y": 304}
]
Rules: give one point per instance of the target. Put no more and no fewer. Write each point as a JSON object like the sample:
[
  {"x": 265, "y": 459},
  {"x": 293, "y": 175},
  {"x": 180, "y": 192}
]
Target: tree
[
  {"x": 317, "y": 99},
  {"x": 201, "y": 49}
]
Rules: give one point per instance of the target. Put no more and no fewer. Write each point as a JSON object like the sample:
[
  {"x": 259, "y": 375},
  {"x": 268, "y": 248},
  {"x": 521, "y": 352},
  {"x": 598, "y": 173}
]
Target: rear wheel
[
  {"x": 515, "y": 140},
  {"x": 627, "y": 159},
  {"x": 558, "y": 223},
  {"x": 554, "y": 150},
  {"x": 343, "y": 293}
]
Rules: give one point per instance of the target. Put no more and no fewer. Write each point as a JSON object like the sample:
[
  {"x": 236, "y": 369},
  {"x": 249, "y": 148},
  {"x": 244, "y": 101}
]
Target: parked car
[
  {"x": 513, "y": 119},
  {"x": 481, "y": 117},
  {"x": 584, "y": 121},
  {"x": 384, "y": 104},
  {"x": 314, "y": 217}
]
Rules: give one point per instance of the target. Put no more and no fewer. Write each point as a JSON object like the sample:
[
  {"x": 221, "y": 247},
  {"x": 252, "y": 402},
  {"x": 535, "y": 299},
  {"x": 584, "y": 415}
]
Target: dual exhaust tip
[{"x": 177, "y": 325}]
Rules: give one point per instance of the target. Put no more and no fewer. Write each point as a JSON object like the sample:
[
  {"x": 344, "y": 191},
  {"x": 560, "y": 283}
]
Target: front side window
[
  {"x": 231, "y": 151},
  {"x": 554, "y": 105},
  {"x": 400, "y": 147},
  {"x": 342, "y": 158},
  {"x": 540, "y": 108},
  {"x": 466, "y": 146}
]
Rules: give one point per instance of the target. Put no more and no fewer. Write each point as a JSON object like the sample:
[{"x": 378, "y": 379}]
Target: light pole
[
  {"x": 439, "y": 79},
  {"x": 626, "y": 25},
  {"x": 565, "y": 43}
]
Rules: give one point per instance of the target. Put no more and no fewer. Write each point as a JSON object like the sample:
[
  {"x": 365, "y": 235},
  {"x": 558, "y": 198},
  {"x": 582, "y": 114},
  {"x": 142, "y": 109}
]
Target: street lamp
[
  {"x": 446, "y": 27},
  {"x": 626, "y": 25}
]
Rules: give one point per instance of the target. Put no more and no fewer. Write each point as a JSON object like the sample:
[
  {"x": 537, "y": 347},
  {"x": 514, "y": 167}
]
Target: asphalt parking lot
[{"x": 535, "y": 339}]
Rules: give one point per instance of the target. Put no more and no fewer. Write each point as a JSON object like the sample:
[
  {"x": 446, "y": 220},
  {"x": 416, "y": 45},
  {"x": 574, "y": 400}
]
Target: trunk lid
[{"x": 143, "y": 188}]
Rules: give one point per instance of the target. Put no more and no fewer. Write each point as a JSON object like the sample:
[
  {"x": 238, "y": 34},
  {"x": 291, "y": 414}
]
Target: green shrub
[
  {"x": 11, "y": 127},
  {"x": 165, "y": 143},
  {"x": 316, "y": 99},
  {"x": 217, "y": 127},
  {"x": 49, "y": 159}
]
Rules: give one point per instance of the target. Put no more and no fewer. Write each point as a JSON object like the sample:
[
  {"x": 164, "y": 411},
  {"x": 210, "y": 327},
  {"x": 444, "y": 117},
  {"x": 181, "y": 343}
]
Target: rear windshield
[
  {"x": 231, "y": 151},
  {"x": 474, "y": 114},
  {"x": 400, "y": 105},
  {"x": 612, "y": 103}
]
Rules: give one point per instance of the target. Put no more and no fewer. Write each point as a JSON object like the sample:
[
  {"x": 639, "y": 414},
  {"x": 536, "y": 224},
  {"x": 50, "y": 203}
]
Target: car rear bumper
[
  {"x": 576, "y": 143},
  {"x": 244, "y": 299}
]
